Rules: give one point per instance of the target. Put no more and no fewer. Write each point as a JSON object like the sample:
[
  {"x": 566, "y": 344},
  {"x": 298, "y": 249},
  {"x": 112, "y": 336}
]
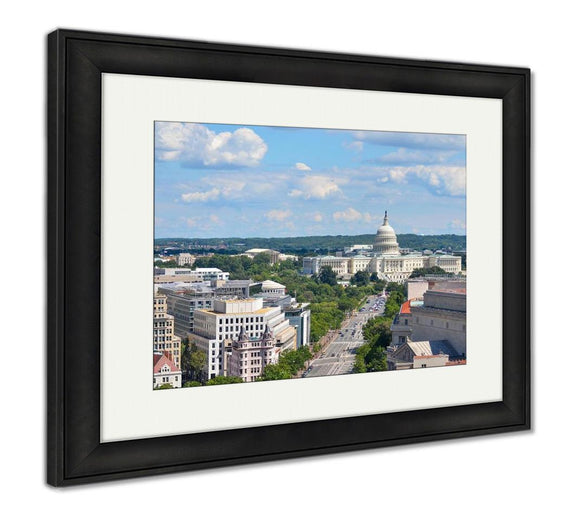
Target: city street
[{"x": 338, "y": 356}]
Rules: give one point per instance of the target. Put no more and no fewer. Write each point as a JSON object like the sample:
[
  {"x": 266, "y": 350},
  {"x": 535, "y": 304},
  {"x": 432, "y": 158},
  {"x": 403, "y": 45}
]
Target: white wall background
[{"x": 522, "y": 470}]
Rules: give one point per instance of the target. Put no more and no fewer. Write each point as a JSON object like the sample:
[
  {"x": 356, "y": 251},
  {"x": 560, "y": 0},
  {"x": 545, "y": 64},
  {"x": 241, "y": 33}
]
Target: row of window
[
  {"x": 168, "y": 379},
  {"x": 240, "y": 320}
]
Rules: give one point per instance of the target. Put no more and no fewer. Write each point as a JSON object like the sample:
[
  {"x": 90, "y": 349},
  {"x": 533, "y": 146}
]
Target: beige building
[
  {"x": 275, "y": 256},
  {"x": 185, "y": 259},
  {"x": 427, "y": 354},
  {"x": 438, "y": 315},
  {"x": 442, "y": 317},
  {"x": 215, "y": 330},
  {"x": 251, "y": 354},
  {"x": 272, "y": 288},
  {"x": 386, "y": 259},
  {"x": 164, "y": 339},
  {"x": 176, "y": 275}
]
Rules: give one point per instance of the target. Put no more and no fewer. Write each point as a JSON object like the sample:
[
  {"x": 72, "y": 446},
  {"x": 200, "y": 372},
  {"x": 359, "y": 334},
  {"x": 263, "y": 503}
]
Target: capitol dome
[{"x": 386, "y": 239}]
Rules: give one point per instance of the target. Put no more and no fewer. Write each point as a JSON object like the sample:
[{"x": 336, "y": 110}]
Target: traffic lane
[{"x": 339, "y": 355}]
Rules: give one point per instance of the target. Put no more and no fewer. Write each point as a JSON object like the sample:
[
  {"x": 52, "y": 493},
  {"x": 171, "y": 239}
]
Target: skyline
[{"x": 293, "y": 182}]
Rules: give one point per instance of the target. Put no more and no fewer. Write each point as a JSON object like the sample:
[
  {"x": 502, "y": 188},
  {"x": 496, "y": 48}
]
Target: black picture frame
[{"x": 75, "y": 62}]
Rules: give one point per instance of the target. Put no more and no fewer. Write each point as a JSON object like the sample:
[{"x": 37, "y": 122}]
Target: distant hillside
[{"x": 310, "y": 244}]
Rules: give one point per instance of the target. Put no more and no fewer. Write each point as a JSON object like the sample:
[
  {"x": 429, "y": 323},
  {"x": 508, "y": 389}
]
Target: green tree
[
  {"x": 193, "y": 361},
  {"x": 224, "y": 379},
  {"x": 275, "y": 372},
  {"x": 165, "y": 386},
  {"x": 359, "y": 366},
  {"x": 419, "y": 272},
  {"x": 360, "y": 279},
  {"x": 262, "y": 259},
  {"x": 378, "y": 286},
  {"x": 326, "y": 275},
  {"x": 394, "y": 286},
  {"x": 347, "y": 304},
  {"x": 393, "y": 304},
  {"x": 192, "y": 384}
]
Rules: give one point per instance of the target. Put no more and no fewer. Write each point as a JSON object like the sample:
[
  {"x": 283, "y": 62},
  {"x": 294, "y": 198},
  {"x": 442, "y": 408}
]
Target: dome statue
[{"x": 386, "y": 239}]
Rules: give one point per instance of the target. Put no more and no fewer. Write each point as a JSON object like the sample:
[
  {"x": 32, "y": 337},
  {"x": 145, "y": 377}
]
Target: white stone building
[
  {"x": 185, "y": 259},
  {"x": 211, "y": 273},
  {"x": 273, "y": 288},
  {"x": 386, "y": 259},
  {"x": 215, "y": 330}
]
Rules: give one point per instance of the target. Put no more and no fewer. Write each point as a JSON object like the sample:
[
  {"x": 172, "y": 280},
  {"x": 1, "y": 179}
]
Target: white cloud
[
  {"x": 302, "y": 166},
  {"x": 196, "y": 145},
  {"x": 351, "y": 214},
  {"x": 214, "y": 218},
  {"x": 397, "y": 175},
  {"x": 442, "y": 180},
  {"x": 219, "y": 188},
  {"x": 229, "y": 188},
  {"x": 201, "y": 196},
  {"x": 277, "y": 214},
  {"x": 317, "y": 186},
  {"x": 356, "y": 146},
  {"x": 405, "y": 157},
  {"x": 317, "y": 217},
  {"x": 413, "y": 140}
]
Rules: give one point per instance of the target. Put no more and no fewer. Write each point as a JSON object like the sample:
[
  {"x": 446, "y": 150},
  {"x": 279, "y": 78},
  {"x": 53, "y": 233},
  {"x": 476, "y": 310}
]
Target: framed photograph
[{"x": 262, "y": 253}]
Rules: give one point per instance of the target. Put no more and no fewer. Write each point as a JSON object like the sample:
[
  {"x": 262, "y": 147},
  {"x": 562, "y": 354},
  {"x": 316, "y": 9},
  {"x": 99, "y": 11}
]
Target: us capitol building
[{"x": 384, "y": 257}]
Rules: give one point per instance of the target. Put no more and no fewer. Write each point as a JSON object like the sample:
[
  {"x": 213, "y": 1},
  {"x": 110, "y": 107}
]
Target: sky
[{"x": 219, "y": 180}]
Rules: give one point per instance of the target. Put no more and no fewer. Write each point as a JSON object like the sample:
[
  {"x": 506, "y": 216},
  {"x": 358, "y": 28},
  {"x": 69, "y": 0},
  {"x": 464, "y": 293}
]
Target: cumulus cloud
[
  {"x": 302, "y": 166},
  {"x": 413, "y": 140},
  {"x": 356, "y": 146},
  {"x": 196, "y": 145},
  {"x": 219, "y": 188},
  {"x": 317, "y": 217},
  {"x": 406, "y": 157},
  {"x": 229, "y": 188},
  {"x": 317, "y": 186},
  {"x": 278, "y": 214},
  {"x": 351, "y": 214},
  {"x": 201, "y": 196},
  {"x": 441, "y": 180}
]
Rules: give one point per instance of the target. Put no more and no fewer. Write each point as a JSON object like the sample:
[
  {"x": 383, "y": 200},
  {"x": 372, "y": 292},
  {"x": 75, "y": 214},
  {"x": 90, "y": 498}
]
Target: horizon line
[{"x": 293, "y": 237}]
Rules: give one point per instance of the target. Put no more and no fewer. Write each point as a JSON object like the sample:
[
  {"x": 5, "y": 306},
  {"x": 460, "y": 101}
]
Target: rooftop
[
  {"x": 433, "y": 347},
  {"x": 406, "y": 306},
  {"x": 160, "y": 360},
  {"x": 260, "y": 311}
]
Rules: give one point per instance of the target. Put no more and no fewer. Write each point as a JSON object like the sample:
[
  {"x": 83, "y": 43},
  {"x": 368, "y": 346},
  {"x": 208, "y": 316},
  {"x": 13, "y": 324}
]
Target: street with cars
[{"x": 338, "y": 356}]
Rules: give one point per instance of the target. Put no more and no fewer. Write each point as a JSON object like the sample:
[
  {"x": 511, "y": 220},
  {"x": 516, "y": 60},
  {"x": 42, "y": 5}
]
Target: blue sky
[{"x": 218, "y": 180}]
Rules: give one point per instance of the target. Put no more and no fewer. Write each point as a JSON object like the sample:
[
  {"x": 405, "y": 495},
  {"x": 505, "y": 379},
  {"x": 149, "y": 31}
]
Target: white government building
[
  {"x": 215, "y": 330},
  {"x": 385, "y": 259}
]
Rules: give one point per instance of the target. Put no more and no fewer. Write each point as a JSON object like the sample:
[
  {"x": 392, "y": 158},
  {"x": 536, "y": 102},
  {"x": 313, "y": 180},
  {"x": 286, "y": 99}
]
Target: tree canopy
[
  {"x": 419, "y": 272},
  {"x": 224, "y": 379}
]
